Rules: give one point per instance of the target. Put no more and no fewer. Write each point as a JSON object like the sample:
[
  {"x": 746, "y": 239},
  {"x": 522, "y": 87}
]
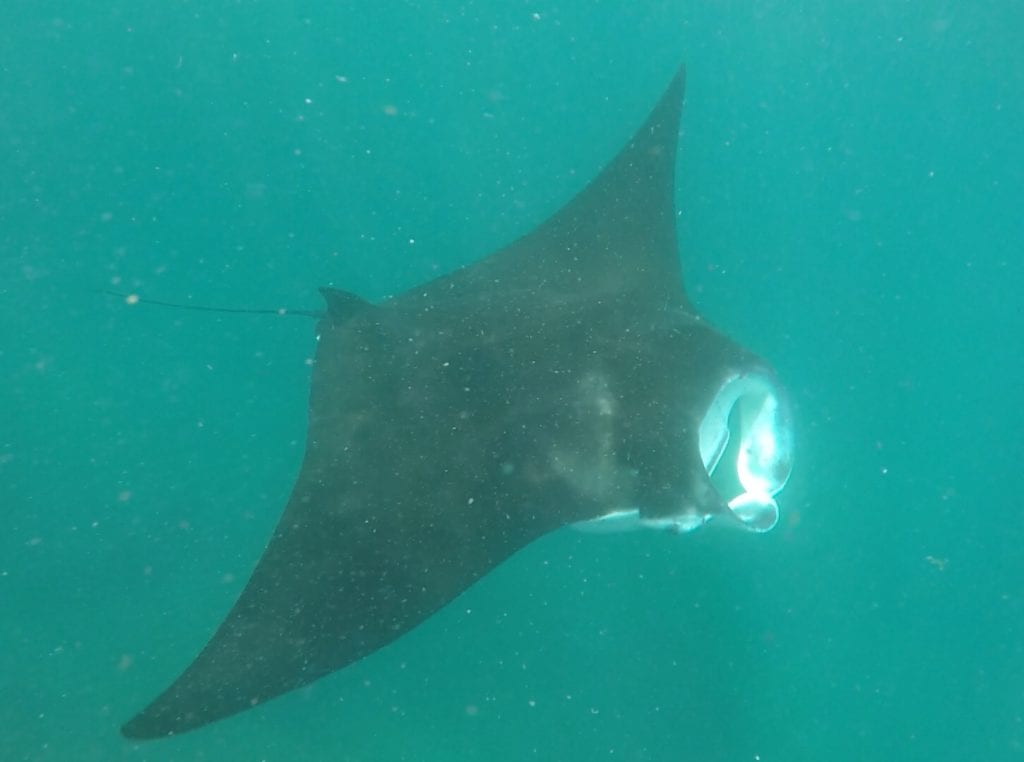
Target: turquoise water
[{"x": 850, "y": 182}]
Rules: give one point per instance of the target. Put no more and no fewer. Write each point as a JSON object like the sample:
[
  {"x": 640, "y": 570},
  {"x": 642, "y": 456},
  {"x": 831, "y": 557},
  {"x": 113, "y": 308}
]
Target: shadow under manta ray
[{"x": 565, "y": 379}]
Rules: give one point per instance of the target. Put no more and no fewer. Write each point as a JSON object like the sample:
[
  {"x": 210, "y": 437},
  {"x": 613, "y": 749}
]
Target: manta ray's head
[{"x": 718, "y": 447}]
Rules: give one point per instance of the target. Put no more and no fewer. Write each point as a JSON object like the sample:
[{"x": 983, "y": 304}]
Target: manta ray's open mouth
[{"x": 753, "y": 408}]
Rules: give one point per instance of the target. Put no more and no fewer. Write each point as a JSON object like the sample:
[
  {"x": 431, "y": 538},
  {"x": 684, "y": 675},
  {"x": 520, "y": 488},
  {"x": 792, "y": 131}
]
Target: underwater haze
[{"x": 851, "y": 197}]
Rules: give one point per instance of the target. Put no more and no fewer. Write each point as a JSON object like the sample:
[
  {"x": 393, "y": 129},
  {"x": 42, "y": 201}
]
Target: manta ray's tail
[{"x": 133, "y": 298}]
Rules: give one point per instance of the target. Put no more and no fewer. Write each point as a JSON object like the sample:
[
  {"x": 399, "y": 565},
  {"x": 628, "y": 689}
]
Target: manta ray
[{"x": 564, "y": 379}]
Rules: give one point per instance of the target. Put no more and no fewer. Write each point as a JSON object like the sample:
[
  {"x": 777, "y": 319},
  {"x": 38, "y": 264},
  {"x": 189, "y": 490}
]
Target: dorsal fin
[
  {"x": 342, "y": 305},
  {"x": 617, "y": 234}
]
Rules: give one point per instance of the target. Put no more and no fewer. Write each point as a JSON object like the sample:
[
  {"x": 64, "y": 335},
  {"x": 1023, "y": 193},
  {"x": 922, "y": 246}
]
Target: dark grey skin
[{"x": 562, "y": 378}]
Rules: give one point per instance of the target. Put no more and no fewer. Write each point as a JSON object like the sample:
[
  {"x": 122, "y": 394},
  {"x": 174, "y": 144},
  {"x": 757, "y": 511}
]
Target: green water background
[{"x": 851, "y": 181}]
